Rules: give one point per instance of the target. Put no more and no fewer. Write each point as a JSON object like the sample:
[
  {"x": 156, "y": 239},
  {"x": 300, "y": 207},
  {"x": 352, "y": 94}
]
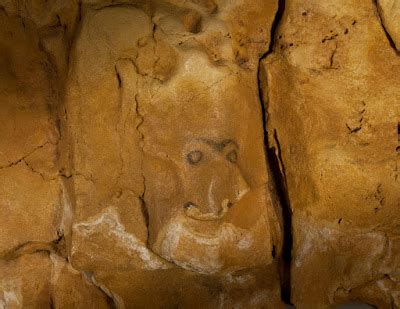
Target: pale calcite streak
[
  {"x": 241, "y": 280},
  {"x": 110, "y": 221},
  {"x": 170, "y": 245},
  {"x": 319, "y": 240},
  {"x": 389, "y": 291},
  {"x": 118, "y": 301},
  {"x": 57, "y": 268},
  {"x": 260, "y": 297},
  {"x": 58, "y": 265},
  {"x": 67, "y": 215},
  {"x": 10, "y": 294},
  {"x": 382, "y": 286},
  {"x": 311, "y": 241},
  {"x": 210, "y": 195},
  {"x": 177, "y": 231}
]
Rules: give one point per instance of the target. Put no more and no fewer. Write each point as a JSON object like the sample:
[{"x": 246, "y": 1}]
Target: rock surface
[
  {"x": 29, "y": 138},
  {"x": 165, "y": 184},
  {"x": 138, "y": 173},
  {"x": 199, "y": 153},
  {"x": 43, "y": 280},
  {"x": 332, "y": 99},
  {"x": 389, "y": 11}
]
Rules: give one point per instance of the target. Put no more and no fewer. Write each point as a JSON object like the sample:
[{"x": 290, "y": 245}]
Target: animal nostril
[
  {"x": 229, "y": 205},
  {"x": 189, "y": 205}
]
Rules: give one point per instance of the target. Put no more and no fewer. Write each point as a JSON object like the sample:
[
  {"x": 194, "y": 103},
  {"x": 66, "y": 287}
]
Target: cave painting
[
  {"x": 208, "y": 212},
  {"x": 133, "y": 166},
  {"x": 170, "y": 171},
  {"x": 212, "y": 158}
]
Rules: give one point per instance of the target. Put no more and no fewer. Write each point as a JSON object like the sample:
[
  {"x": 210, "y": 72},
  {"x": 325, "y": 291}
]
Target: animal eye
[
  {"x": 232, "y": 156},
  {"x": 194, "y": 157}
]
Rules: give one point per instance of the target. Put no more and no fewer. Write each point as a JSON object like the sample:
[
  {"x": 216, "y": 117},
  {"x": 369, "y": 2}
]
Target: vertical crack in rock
[
  {"x": 87, "y": 276},
  {"x": 379, "y": 16},
  {"x": 141, "y": 145},
  {"x": 51, "y": 302},
  {"x": 144, "y": 209},
  {"x": 123, "y": 117},
  {"x": 113, "y": 300},
  {"x": 118, "y": 77},
  {"x": 276, "y": 169},
  {"x": 140, "y": 119}
]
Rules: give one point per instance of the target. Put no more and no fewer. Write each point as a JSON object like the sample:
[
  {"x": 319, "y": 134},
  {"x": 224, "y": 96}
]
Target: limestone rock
[
  {"x": 389, "y": 11},
  {"x": 166, "y": 186},
  {"x": 41, "y": 281},
  {"x": 199, "y": 153},
  {"x": 332, "y": 100},
  {"x": 29, "y": 190}
]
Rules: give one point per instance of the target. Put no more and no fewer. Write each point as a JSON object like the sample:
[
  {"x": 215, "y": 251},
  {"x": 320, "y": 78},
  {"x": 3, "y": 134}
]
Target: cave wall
[
  {"x": 332, "y": 100},
  {"x": 199, "y": 153}
]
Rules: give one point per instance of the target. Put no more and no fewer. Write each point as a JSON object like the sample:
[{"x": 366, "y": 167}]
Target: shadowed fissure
[
  {"x": 388, "y": 36},
  {"x": 274, "y": 162}
]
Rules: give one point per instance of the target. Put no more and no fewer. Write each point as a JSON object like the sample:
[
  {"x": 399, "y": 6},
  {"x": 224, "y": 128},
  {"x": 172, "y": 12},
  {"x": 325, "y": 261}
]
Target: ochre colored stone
[
  {"x": 199, "y": 153},
  {"x": 29, "y": 190},
  {"x": 389, "y": 11},
  {"x": 40, "y": 280},
  {"x": 166, "y": 186},
  {"x": 333, "y": 114}
]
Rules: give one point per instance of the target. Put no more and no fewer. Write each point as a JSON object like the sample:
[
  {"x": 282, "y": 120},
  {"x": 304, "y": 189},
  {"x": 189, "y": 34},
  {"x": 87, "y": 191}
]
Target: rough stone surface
[
  {"x": 389, "y": 11},
  {"x": 28, "y": 140},
  {"x": 43, "y": 280},
  {"x": 199, "y": 153},
  {"x": 165, "y": 183},
  {"x": 332, "y": 101}
]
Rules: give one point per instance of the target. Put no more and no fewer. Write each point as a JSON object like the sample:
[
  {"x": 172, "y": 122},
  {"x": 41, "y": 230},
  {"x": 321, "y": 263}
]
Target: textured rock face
[
  {"x": 332, "y": 99},
  {"x": 389, "y": 11},
  {"x": 199, "y": 153},
  {"x": 166, "y": 184},
  {"x": 28, "y": 141},
  {"x": 40, "y": 280},
  {"x": 142, "y": 162}
]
